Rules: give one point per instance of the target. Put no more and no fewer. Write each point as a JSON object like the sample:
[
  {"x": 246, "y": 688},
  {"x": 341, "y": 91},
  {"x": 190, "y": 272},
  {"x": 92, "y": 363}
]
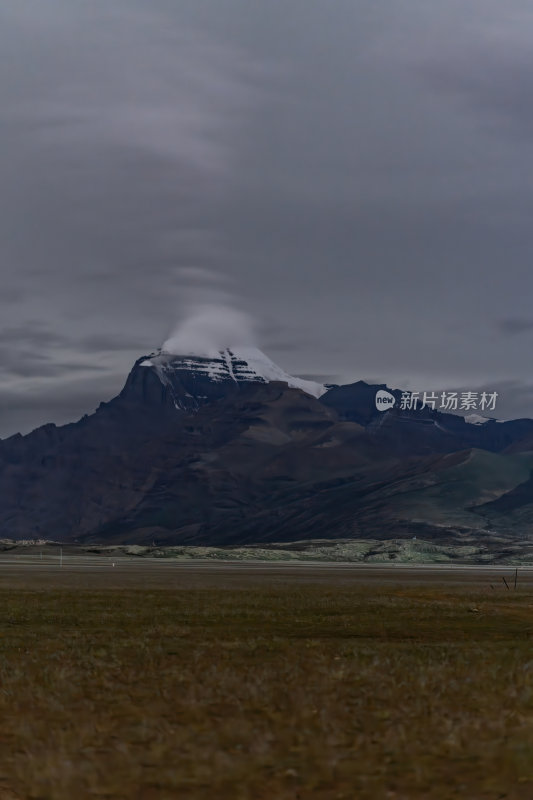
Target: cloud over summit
[{"x": 208, "y": 329}]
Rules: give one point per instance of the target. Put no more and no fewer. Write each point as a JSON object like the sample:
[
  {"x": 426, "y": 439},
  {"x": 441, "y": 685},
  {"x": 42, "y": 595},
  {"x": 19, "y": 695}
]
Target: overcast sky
[{"x": 356, "y": 177}]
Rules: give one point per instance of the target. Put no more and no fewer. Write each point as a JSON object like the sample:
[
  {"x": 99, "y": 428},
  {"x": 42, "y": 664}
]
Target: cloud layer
[
  {"x": 357, "y": 179},
  {"x": 208, "y": 329}
]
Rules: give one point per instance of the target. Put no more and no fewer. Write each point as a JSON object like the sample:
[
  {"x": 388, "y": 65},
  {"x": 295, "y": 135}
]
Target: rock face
[
  {"x": 193, "y": 380},
  {"x": 230, "y": 449}
]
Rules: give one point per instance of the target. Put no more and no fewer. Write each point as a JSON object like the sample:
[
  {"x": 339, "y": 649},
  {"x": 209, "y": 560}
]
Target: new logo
[{"x": 384, "y": 400}]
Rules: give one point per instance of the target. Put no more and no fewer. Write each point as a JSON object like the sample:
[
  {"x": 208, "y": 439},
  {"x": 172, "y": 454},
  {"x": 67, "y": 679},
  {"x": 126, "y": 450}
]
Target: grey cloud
[
  {"x": 319, "y": 378},
  {"x": 32, "y": 333},
  {"x": 26, "y": 363},
  {"x": 514, "y": 326},
  {"x": 105, "y": 342},
  {"x": 354, "y": 177},
  {"x": 30, "y": 368},
  {"x": 493, "y": 81}
]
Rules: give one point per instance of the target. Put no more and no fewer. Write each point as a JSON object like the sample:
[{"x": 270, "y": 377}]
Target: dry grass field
[{"x": 265, "y": 689}]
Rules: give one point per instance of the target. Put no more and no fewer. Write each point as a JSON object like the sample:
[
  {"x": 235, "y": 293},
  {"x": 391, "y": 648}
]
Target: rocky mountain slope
[{"x": 229, "y": 449}]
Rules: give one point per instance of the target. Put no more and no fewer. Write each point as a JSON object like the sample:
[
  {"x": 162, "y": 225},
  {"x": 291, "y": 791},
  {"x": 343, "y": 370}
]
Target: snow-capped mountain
[
  {"x": 226, "y": 447},
  {"x": 194, "y": 378}
]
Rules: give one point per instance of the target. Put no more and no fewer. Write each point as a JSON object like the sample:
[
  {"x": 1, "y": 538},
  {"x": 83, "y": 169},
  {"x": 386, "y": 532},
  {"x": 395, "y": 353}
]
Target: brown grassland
[{"x": 266, "y": 690}]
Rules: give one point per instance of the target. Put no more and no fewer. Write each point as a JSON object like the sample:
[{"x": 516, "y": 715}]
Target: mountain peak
[{"x": 233, "y": 365}]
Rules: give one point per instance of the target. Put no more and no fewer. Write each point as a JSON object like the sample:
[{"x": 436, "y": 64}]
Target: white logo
[
  {"x": 384, "y": 400},
  {"x": 449, "y": 401}
]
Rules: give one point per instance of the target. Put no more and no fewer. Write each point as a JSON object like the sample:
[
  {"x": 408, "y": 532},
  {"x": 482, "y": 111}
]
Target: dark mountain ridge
[{"x": 229, "y": 449}]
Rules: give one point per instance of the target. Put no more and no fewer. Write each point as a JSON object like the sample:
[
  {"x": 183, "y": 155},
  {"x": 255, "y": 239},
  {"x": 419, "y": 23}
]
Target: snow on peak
[
  {"x": 246, "y": 364},
  {"x": 263, "y": 367},
  {"x": 212, "y": 342},
  {"x": 476, "y": 419}
]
